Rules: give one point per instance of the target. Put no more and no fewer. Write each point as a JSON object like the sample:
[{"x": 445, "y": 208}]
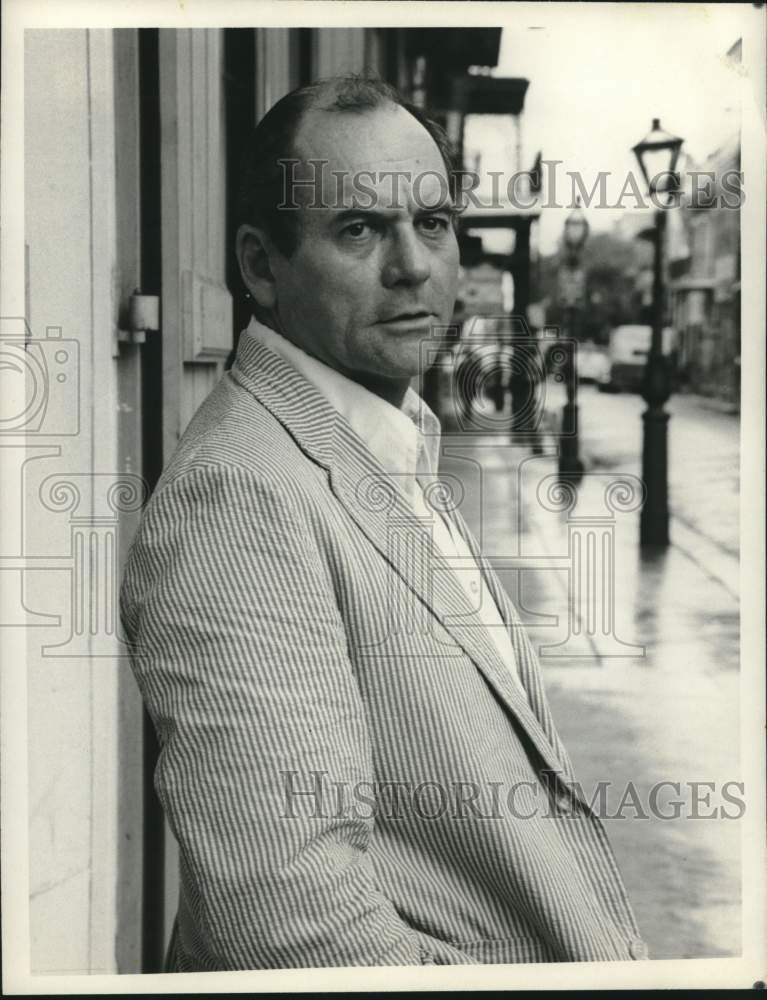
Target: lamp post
[
  {"x": 576, "y": 232},
  {"x": 657, "y": 154}
]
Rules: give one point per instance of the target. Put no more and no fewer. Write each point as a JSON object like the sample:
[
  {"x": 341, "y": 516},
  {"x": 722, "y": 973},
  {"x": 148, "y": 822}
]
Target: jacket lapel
[
  {"x": 382, "y": 512},
  {"x": 526, "y": 657}
]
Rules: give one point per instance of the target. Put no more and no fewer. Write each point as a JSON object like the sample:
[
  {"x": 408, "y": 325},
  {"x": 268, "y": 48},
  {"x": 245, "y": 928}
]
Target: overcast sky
[{"x": 599, "y": 73}]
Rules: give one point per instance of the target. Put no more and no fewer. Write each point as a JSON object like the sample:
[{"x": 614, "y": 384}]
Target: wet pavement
[
  {"x": 640, "y": 653},
  {"x": 703, "y": 460}
]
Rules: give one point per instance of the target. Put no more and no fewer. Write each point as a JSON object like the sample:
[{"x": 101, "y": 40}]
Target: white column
[{"x": 83, "y": 717}]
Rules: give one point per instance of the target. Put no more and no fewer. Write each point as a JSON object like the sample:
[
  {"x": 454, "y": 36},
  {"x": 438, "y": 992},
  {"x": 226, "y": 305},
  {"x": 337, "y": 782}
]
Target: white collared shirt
[{"x": 406, "y": 442}]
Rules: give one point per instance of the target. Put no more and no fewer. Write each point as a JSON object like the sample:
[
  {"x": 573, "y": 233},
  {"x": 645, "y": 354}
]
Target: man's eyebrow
[
  {"x": 382, "y": 214},
  {"x": 355, "y": 213},
  {"x": 446, "y": 206}
]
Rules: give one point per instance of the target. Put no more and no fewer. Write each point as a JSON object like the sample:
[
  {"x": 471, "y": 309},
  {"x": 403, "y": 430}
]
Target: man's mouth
[{"x": 410, "y": 315}]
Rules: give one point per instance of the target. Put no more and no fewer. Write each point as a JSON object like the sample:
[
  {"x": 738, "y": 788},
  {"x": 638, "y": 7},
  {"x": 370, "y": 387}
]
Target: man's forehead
[
  {"x": 362, "y": 140},
  {"x": 385, "y": 150}
]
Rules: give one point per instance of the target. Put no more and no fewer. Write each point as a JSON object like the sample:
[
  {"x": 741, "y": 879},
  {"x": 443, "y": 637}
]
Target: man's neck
[{"x": 391, "y": 390}]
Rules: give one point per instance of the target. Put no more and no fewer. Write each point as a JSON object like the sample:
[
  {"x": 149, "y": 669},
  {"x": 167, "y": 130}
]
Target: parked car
[
  {"x": 627, "y": 356},
  {"x": 592, "y": 362}
]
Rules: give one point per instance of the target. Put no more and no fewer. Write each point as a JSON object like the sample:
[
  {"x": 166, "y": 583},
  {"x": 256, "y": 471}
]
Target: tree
[{"x": 611, "y": 265}]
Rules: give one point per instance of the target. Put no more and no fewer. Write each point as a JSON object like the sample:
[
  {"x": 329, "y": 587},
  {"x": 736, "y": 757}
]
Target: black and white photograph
[{"x": 382, "y": 547}]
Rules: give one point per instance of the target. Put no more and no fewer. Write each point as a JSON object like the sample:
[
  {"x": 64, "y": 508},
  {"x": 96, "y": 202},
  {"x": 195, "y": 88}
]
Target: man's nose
[{"x": 407, "y": 261}]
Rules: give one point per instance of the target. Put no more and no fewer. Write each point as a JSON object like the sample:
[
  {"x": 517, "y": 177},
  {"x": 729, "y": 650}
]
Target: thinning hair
[{"x": 262, "y": 175}]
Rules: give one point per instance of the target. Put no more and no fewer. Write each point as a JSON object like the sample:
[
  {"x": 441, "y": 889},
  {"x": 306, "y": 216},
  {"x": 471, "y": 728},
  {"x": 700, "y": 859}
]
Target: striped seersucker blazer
[{"x": 352, "y": 774}]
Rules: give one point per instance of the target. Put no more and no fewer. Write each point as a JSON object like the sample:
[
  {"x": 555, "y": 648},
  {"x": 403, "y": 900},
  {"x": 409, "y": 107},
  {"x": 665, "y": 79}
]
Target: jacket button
[{"x": 638, "y": 949}]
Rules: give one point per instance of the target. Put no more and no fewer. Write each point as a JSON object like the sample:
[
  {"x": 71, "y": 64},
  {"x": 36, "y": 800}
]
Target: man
[{"x": 358, "y": 761}]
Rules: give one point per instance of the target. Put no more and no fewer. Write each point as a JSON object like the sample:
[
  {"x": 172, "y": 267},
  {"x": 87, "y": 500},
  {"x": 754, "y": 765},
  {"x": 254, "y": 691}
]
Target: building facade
[
  {"x": 705, "y": 270},
  {"x": 705, "y": 283}
]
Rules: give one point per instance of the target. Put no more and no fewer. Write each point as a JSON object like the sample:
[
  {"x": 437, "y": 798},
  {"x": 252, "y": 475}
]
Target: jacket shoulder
[{"x": 232, "y": 429}]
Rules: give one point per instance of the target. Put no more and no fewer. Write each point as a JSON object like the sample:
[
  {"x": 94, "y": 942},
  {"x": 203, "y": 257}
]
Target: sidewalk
[{"x": 668, "y": 712}]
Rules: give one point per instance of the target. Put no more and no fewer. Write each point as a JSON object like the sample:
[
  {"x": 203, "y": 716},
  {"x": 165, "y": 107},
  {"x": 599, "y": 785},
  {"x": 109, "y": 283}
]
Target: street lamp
[
  {"x": 657, "y": 154},
  {"x": 576, "y": 231}
]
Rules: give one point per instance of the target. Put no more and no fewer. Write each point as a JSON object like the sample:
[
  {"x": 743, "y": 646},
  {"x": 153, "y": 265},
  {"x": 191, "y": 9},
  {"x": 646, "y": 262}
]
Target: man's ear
[{"x": 254, "y": 248}]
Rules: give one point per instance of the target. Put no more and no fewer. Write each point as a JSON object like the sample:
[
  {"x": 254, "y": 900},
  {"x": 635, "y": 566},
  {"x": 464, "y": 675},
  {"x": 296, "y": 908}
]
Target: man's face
[{"x": 367, "y": 283}]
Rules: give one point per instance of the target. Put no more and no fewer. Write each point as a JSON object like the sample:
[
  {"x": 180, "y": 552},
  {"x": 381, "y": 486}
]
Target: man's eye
[
  {"x": 357, "y": 230},
  {"x": 434, "y": 223}
]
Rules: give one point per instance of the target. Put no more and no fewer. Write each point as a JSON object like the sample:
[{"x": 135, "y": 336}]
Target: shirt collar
[{"x": 405, "y": 441}]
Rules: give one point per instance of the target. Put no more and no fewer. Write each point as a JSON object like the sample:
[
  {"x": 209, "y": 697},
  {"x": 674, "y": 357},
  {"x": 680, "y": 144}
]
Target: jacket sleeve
[{"x": 243, "y": 665}]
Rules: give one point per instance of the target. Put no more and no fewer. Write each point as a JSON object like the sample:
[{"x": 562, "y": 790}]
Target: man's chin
[{"x": 415, "y": 359}]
